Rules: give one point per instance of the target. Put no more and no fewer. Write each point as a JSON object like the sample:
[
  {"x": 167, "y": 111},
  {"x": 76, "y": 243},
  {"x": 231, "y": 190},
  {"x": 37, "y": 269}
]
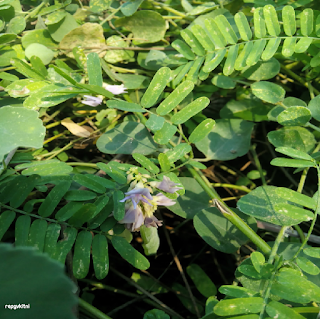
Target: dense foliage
[{"x": 119, "y": 116}]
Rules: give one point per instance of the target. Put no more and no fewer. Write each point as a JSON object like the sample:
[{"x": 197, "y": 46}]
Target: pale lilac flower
[
  {"x": 91, "y": 100},
  {"x": 166, "y": 185},
  {"x": 163, "y": 200},
  {"x": 115, "y": 89},
  {"x": 138, "y": 194},
  {"x": 152, "y": 221},
  {"x": 133, "y": 218}
]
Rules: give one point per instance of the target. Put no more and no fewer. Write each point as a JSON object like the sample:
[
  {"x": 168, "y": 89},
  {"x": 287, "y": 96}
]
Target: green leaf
[
  {"x": 184, "y": 49},
  {"x": 100, "y": 256},
  {"x": 59, "y": 30},
  {"x": 45, "y": 168},
  {"x": 240, "y": 62},
  {"x": 289, "y": 20},
  {"x": 294, "y": 153},
  {"x": 38, "y": 269},
  {"x": 175, "y": 98},
  {"x": 124, "y": 106},
  {"x": 113, "y": 172},
  {"x": 228, "y": 67},
  {"x": 194, "y": 70},
  {"x": 307, "y": 266},
  {"x": 126, "y": 138},
  {"x": 271, "y": 49},
  {"x": 288, "y": 47},
  {"x": 151, "y": 240},
  {"x": 306, "y": 22},
  {"x": 81, "y": 257},
  {"x": 264, "y": 203},
  {"x": 216, "y": 60},
  {"x": 27, "y": 131},
  {"x": 22, "y": 228},
  {"x": 203, "y": 283},
  {"x": 193, "y": 42},
  {"x": 16, "y": 25},
  {"x": 293, "y": 136},
  {"x": 130, "y": 7},
  {"x": 119, "y": 207},
  {"x": 228, "y": 139},
  {"x": 302, "y": 45},
  {"x": 226, "y": 29},
  {"x": 155, "y": 122},
  {"x": 25, "y": 69},
  {"x": 239, "y": 306},
  {"x": 259, "y": 23},
  {"x": 53, "y": 198},
  {"x": 7, "y": 37},
  {"x": 155, "y": 314},
  {"x": 41, "y": 36},
  {"x": 202, "y": 130},
  {"x": 164, "y": 162},
  {"x": 94, "y": 69},
  {"x": 164, "y": 135},
  {"x": 37, "y": 234},
  {"x": 190, "y": 110},
  {"x": 202, "y": 36},
  {"x": 267, "y": 91},
  {"x": 147, "y": 26},
  {"x": 99, "y": 5},
  {"x": 223, "y": 82},
  {"x": 146, "y": 163},
  {"x": 312, "y": 252},
  {"x": 79, "y": 195},
  {"x": 236, "y": 291},
  {"x": 257, "y": 260},
  {"x": 288, "y": 162},
  {"x": 271, "y": 20},
  {"x": 38, "y": 65},
  {"x": 128, "y": 253},
  {"x": 255, "y": 55},
  {"x": 88, "y": 182},
  {"x": 52, "y": 234},
  {"x": 81, "y": 216},
  {"x": 314, "y": 107},
  {"x": 294, "y": 116},
  {"x": 243, "y": 26},
  {"x": 197, "y": 164},
  {"x": 178, "y": 152},
  {"x": 65, "y": 245},
  {"x": 115, "y": 56},
  {"x": 218, "y": 38},
  {"x": 6, "y": 219},
  {"x": 55, "y": 17},
  {"x": 278, "y": 310},
  {"x": 156, "y": 87},
  {"x": 218, "y": 232}
]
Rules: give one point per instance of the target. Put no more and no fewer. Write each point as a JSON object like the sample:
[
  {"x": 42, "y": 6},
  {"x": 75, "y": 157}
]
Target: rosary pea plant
[{"x": 112, "y": 112}]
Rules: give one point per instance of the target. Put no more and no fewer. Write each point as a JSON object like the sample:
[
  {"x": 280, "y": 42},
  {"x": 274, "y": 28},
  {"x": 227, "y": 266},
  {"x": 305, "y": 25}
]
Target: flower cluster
[{"x": 140, "y": 205}]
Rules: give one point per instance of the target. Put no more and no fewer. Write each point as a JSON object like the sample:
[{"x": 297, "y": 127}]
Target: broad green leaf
[
  {"x": 288, "y": 47},
  {"x": 271, "y": 20},
  {"x": 27, "y": 131},
  {"x": 294, "y": 153},
  {"x": 124, "y": 106},
  {"x": 290, "y": 285},
  {"x": 202, "y": 36},
  {"x": 65, "y": 244},
  {"x": 247, "y": 109},
  {"x": 7, "y": 37},
  {"x": 53, "y": 198},
  {"x": 236, "y": 291},
  {"x": 45, "y": 168},
  {"x": 223, "y": 82},
  {"x": 307, "y": 266},
  {"x": 156, "y": 87},
  {"x": 289, "y": 20},
  {"x": 259, "y": 23},
  {"x": 212, "y": 64},
  {"x": 147, "y": 26},
  {"x": 94, "y": 69},
  {"x": 226, "y": 29},
  {"x": 227, "y": 140},
  {"x": 99, "y": 5},
  {"x": 314, "y": 107},
  {"x": 126, "y": 138},
  {"x": 119, "y": 207},
  {"x": 55, "y": 17},
  {"x": 16, "y": 25},
  {"x": 52, "y": 235},
  {"x": 271, "y": 49},
  {"x": 175, "y": 98},
  {"x": 265, "y": 204},
  {"x": 306, "y": 22},
  {"x": 202, "y": 130},
  {"x": 113, "y": 172},
  {"x": 146, "y": 163},
  {"x": 88, "y": 182},
  {"x": 164, "y": 135},
  {"x": 130, "y": 7},
  {"x": 100, "y": 256},
  {"x": 151, "y": 240},
  {"x": 81, "y": 216},
  {"x": 178, "y": 152},
  {"x": 155, "y": 122},
  {"x": 37, "y": 234},
  {"x": 267, "y": 91},
  {"x": 218, "y": 232},
  {"x": 257, "y": 260},
  {"x": 22, "y": 228},
  {"x": 184, "y": 49},
  {"x": 190, "y": 110},
  {"x": 197, "y": 164},
  {"x": 294, "y": 116},
  {"x": 128, "y": 253},
  {"x": 243, "y": 26},
  {"x": 203, "y": 283},
  {"x": 81, "y": 256},
  {"x": 63, "y": 28},
  {"x": 155, "y": 314},
  {"x": 57, "y": 291},
  {"x": 288, "y": 162},
  {"x": 218, "y": 38},
  {"x": 193, "y": 42},
  {"x": 79, "y": 195},
  {"x": 278, "y": 310},
  {"x": 293, "y": 101},
  {"x": 239, "y": 306},
  {"x": 293, "y": 136},
  {"x": 6, "y": 219},
  {"x": 255, "y": 55},
  {"x": 41, "y": 36},
  {"x": 231, "y": 59},
  {"x": 312, "y": 252},
  {"x": 164, "y": 162},
  {"x": 193, "y": 201}
]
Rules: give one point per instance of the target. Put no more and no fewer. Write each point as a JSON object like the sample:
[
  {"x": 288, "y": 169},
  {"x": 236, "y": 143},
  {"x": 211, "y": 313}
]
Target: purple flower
[
  {"x": 152, "y": 221},
  {"x": 138, "y": 194},
  {"x": 91, "y": 100},
  {"x": 133, "y": 218},
  {"x": 166, "y": 185},
  {"x": 163, "y": 200}
]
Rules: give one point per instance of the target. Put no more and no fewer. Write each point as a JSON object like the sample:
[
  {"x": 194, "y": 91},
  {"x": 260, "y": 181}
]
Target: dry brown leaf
[{"x": 75, "y": 129}]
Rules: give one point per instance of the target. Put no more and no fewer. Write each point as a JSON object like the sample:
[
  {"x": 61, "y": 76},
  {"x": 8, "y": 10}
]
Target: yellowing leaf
[{"x": 75, "y": 129}]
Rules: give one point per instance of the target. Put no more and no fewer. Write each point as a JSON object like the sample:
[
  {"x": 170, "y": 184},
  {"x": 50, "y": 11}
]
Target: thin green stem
[
  {"x": 316, "y": 128},
  {"x": 257, "y": 162},
  {"x": 176, "y": 12},
  {"x": 232, "y": 186},
  {"x": 276, "y": 244},
  {"x": 110, "y": 16},
  {"x": 96, "y": 313}
]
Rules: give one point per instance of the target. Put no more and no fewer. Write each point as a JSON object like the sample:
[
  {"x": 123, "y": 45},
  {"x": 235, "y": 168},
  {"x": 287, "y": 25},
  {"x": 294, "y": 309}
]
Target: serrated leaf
[
  {"x": 100, "y": 256},
  {"x": 128, "y": 253},
  {"x": 81, "y": 257}
]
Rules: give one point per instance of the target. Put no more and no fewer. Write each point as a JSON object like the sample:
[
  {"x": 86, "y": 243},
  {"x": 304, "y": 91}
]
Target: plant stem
[
  {"x": 96, "y": 313},
  {"x": 257, "y": 162},
  {"x": 238, "y": 187},
  {"x": 227, "y": 212}
]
